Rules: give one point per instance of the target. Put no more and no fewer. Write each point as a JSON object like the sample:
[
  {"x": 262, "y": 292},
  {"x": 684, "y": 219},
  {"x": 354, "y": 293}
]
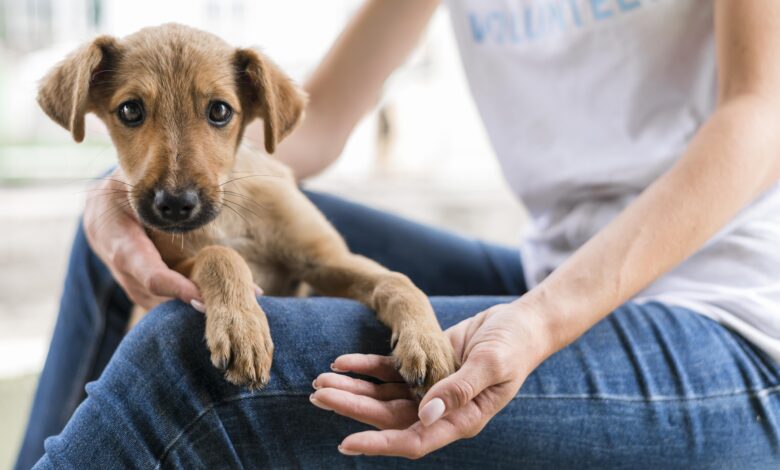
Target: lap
[
  {"x": 650, "y": 382},
  {"x": 94, "y": 311},
  {"x": 438, "y": 261}
]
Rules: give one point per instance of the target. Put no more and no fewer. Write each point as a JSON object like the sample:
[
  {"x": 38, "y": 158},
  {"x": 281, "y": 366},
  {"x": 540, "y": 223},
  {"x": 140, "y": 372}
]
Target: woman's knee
[
  {"x": 167, "y": 345},
  {"x": 171, "y": 323},
  {"x": 308, "y": 334}
]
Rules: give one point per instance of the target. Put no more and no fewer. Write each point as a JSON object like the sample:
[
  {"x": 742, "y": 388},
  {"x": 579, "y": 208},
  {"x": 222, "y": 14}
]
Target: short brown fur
[{"x": 271, "y": 233}]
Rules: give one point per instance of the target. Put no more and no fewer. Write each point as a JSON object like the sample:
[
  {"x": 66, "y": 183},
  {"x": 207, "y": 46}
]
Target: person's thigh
[
  {"x": 91, "y": 322},
  {"x": 438, "y": 261},
  {"x": 648, "y": 386}
]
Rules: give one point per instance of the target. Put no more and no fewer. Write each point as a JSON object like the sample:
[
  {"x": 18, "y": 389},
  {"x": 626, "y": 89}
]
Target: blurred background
[{"x": 421, "y": 153}]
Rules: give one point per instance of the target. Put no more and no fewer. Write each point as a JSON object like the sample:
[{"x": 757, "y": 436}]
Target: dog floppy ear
[
  {"x": 270, "y": 95},
  {"x": 65, "y": 92}
]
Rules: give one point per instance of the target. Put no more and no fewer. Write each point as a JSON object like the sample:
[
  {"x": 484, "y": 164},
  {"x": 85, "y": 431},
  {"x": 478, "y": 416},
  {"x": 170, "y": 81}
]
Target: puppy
[{"x": 176, "y": 101}]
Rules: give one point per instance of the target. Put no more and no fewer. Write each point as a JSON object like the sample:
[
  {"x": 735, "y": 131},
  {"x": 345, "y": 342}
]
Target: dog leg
[
  {"x": 237, "y": 332},
  {"x": 305, "y": 243},
  {"x": 422, "y": 352}
]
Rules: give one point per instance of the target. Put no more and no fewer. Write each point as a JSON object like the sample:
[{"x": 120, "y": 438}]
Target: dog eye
[
  {"x": 131, "y": 113},
  {"x": 219, "y": 113}
]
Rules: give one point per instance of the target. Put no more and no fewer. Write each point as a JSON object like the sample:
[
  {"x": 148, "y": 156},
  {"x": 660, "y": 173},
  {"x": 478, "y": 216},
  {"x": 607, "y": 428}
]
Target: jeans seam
[
  {"x": 753, "y": 393},
  {"x": 211, "y": 407}
]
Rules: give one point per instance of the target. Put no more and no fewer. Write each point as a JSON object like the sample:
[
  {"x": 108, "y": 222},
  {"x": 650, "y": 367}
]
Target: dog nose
[{"x": 176, "y": 207}]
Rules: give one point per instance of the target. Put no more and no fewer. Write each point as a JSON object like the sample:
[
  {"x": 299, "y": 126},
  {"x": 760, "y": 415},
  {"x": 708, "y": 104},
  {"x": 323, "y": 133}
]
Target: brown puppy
[{"x": 176, "y": 102}]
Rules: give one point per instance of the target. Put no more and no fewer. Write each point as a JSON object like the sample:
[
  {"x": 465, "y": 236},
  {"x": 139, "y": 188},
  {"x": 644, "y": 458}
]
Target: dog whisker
[
  {"x": 112, "y": 179},
  {"x": 104, "y": 191},
  {"x": 237, "y": 213},
  {"x": 244, "y": 197},
  {"x": 241, "y": 206},
  {"x": 106, "y": 215},
  {"x": 248, "y": 176}
]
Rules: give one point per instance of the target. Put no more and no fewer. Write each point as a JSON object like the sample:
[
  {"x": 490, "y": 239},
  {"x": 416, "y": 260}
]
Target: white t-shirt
[{"x": 587, "y": 102}]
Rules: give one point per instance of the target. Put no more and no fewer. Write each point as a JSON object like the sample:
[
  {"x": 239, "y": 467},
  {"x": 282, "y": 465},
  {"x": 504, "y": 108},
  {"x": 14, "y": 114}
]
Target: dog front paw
[
  {"x": 240, "y": 344},
  {"x": 423, "y": 357}
]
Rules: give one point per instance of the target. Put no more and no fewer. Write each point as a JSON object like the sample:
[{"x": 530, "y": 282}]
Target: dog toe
[
  {"x": 241, "y": 346},
  {"x": 423, "y": 359}
]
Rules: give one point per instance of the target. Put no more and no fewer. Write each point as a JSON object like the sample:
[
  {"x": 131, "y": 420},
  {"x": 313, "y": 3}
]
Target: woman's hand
[
  {"x": 121, "y": 243},
  {"x": 498, "y": 349}
]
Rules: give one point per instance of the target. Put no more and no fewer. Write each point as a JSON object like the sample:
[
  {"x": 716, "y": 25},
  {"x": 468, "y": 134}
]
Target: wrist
[{"x": 541, "y": 329}]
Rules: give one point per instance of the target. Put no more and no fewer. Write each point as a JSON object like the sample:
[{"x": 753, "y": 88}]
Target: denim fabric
[
  {"x": 648, "y": 387},
  {"x": 91, "y": 322}
]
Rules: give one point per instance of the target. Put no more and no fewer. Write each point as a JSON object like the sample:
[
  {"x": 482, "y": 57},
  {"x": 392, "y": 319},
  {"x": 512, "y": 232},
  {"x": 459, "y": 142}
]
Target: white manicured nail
[
  {"x": 348, "y": 452},
  {"x": 197, "y": 305},
  {"x": 318, "y": 403},
  {"x": 432, "y": 411}
]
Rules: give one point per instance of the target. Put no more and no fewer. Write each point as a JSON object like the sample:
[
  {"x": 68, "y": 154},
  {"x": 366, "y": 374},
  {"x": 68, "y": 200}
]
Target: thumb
[
  {"x": 169, "y": 283},
  {"x": 454, "y": 391},
  {"x": 144, "y": 263}
]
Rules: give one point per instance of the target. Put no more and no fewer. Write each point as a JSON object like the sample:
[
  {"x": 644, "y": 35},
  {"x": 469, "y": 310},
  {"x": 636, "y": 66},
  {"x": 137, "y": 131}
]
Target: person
[{"x": 639, "y": 324}]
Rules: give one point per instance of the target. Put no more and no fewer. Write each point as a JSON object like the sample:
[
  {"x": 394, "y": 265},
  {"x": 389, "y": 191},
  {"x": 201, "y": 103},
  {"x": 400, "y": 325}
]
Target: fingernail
[
  {"x": 432, "y": 411},
  {"x": 314, "y": 384},
  {"x": 318, "y": 403},
  {"x": 258, "y": 290},
  {"x": 335, "y": 369},
  {"x": 197, "y": 305},
  {"x": 348, "y": 452}
]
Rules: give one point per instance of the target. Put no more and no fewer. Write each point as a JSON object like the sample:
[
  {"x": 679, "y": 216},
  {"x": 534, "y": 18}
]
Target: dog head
[{"x": 176, "y": 101}]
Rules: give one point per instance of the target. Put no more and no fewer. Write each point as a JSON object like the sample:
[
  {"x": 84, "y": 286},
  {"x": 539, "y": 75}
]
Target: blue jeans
[{"x": 650, "y": 386}]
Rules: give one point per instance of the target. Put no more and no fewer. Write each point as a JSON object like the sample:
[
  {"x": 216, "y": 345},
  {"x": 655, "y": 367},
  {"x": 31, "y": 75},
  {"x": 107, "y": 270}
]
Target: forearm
[
  {"x": 732, "y": 159},
  {"x": 348, "y": 81}
]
